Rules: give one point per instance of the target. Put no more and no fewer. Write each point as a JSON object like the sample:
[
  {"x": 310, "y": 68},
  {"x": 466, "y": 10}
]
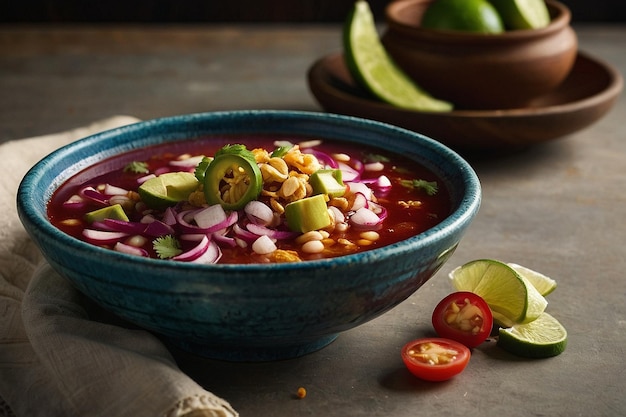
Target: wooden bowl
[
  {"x": 586, "y": 95},
  {"x": 481, "y": 71}
]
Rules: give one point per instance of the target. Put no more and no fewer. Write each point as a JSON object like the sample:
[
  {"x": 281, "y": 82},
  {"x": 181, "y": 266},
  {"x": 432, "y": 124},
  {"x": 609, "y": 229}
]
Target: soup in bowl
[{"x": 249, "y": 235}]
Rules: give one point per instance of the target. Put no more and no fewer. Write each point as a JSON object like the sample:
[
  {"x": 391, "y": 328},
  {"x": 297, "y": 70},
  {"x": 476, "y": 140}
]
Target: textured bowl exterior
[
  {"x": 249, "y": 312},
  {"x": 478, "y": 71}
]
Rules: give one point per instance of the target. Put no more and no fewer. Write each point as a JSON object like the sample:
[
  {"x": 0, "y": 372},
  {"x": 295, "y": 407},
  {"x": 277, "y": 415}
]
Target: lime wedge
[
  {"x": 541, "y": 338},
  {"x": 523, "y": 14},
  {"x": 373, "y": 68},
  {"x": 511, "y": 297},
  {"x": 167, "y": 189},
  {"x": 542, "y": 283}
]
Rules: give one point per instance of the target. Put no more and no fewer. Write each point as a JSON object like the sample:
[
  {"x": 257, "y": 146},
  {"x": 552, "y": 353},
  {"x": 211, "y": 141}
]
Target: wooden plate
[{"x": 585, "y": 96}]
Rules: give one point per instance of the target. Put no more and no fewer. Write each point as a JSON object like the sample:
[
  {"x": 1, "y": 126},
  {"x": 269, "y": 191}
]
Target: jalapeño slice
[{"x": 233, "y": 178}]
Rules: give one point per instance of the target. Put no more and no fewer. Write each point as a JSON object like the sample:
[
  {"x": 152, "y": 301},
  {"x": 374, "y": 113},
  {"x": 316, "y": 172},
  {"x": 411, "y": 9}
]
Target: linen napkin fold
[{"x": 55, "y": 360}]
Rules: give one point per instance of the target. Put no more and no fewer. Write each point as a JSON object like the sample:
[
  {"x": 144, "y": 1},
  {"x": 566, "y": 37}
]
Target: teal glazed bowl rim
[{"x": 48, "y": 174}]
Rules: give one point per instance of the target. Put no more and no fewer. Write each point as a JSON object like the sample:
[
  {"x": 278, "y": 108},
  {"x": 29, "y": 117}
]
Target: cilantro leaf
[
  {"x": 430, "y": 187},
  {"x": 373, "y": 157},
  {"x": 237, "y": 149},
  {"x": 201, "y": 168},
  {"x": 137, "y": 167},
  {"x": 166, "y": 246}
]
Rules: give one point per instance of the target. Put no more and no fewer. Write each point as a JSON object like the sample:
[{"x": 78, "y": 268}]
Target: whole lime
[{"x": 463, "y": 15}]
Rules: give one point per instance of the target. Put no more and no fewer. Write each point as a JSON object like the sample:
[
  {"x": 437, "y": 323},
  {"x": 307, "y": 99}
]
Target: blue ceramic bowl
[{"x": 249, "y": 312}]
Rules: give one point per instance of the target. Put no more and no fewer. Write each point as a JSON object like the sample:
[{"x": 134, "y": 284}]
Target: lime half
[
  {"x": 373, "y": 68},
  {"x": 541, "y": 338},
  {"x": 542, "y": 283},
  {"x": 523, "y": 14},
  {"x": 511, "y": 297}
]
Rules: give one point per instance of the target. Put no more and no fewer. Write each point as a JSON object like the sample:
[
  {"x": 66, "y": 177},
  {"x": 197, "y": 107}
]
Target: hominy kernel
[
  {"x": 364, "y": 242},
  {"x": 341, "y": 227},
  {"x": 374, "y": 166},
  {"x": 136, "y": 241},
  {"x": 313, "y": 246},
  {"x": 341, "y": 157},
  {"x": 309, "y": 236},
  {"x": 370, "y": 235},
  {"x": 325, "y": 234},
  {"x": 344, "y": 242}
]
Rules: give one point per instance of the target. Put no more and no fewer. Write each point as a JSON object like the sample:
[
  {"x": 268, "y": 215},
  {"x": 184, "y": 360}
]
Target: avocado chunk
[
  {"x": 168, "y": 189},
  {"x": 327, "y": 181},
  {"x": 308, "y": 214},
  {"x": 110, "y": 212}
]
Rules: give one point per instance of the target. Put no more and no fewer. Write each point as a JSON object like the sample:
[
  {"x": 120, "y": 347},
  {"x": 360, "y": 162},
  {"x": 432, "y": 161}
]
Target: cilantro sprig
[
  {"x": 166, "y": 246},
  {"x": 429, "y": 187}
]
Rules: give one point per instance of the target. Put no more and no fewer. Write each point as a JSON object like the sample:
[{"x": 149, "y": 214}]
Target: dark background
[{"x": 228, "y": 11}]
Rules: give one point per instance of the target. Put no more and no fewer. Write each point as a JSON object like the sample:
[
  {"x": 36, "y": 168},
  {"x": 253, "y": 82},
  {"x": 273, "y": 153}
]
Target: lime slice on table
[
  {"x": 523, "y": 14},
  {"x": 511, "y": 297},
  {"x": 373, "y": 68},
  {"x": 541, "y": 338},
  {"x": 542, "y": 283},
  {"x": 478, "y": 16}
]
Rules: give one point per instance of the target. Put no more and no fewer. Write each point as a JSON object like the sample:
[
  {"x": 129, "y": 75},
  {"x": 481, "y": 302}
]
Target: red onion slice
[
  {"x": 360, "y": 201},
  {"x": 205, "y": 252},
  {"x": 75, "y": 202},
  {"x": 211, "y": 256},
  {"x": 90, "y": 193},
  {"x": 365, "y": 219},
  {"x": 210, "y": 216},
  {"x": 122, "y": 226},
  {"x": 322, "y": 157},
  {"x": 244, "y": 234},
  {"x": 195, "y": 252},
  {"x": 259, "y": 213},
  {"x": 158, "y": 228},
  {"x": 101, "y": 237},
  {"x": 131, "y": 250},
  {"x": 169, "y": 216},
  {"x": 359, "y": 187},
  {"x": 221, "y": 239},
  {"x": 187, "y": 227},
  {"x": 337, "y": 214},
  {"x": 348, "y": 174},
  {"x": 145, "y": 178},
  {"x": 259, "y": 230},
  {"x": 114, "y": 190}
]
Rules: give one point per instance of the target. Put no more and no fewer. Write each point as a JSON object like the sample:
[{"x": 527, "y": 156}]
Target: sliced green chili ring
[{"x": 223, "y": 176}]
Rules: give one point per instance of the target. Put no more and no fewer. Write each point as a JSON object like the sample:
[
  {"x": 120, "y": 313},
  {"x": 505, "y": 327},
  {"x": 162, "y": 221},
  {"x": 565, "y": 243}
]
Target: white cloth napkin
[{"x": 54, "y": 360}]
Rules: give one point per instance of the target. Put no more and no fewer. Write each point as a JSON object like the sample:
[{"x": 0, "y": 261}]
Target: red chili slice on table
[
  {"x": 463, "y": 316},
  {"x": 435, "y": 359}
]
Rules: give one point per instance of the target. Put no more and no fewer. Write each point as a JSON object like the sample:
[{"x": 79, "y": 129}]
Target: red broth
[{"x": 410, "y": 211}]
